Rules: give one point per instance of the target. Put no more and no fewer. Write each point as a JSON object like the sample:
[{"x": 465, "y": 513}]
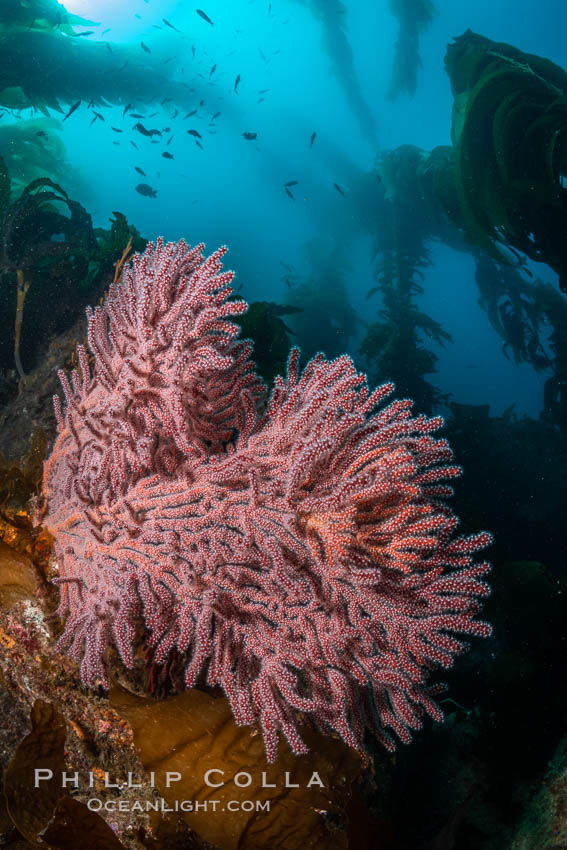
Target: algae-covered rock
[{"x": 544, "y": 824}]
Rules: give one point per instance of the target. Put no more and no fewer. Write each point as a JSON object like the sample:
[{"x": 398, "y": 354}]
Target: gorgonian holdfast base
[{"x": 300, "y": 552}]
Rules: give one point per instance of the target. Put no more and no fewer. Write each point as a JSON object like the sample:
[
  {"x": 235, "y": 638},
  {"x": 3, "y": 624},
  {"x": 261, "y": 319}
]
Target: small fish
[
  {"x": 339, "y": 190},
  {"x": 250, "y": 136},
  {"x": 139, "y": 170},
  {"x": 116, "y": 130},
  {"x": 237, "y": 80},
  {"x": 193, "y": 50},
  {"x": 94, "y": 119},
  {"x": 138, "y": 16},
  {"x": 168, "y": 24},
  {"x": 134, "y": 145},
  {"x": 99, "y": 116},
  {"x": 175, "y": 113},
  {"x": 289, "y": 193},
  {"x": 42, "y": 134},
  {"x": 109, "y": 47},
  {"x": 261, "y": 100},
  {"x": 141, "y": 129},
  {"x": 201, "y": 103},
  {"x": 164, "y": 101},
  {"x": 195, "y": 133},
  {"x": 198, "y": 143},
  {"x": 136, "y": 115},
  {"x": 189, "y": 114},
  {"x": 204, "y": 16},
  {"x": 216, "y": 115},
  {"x": 126, "y": 108},
  {"x": 313, "y": 137},
  {"x": 105, "y": 31},
  {"x": 212, "y": 71},
  {"x": 167, "y": 155},
  {"x": 145, "y": 47},
  {"x": 264, "y": 91},
  {"x": 169, "y": 140},
  {"x": 73, "y": 108},
  {"x": 147, "y": 191},
  {"x": 291, "y": 183},
  {"x": 79, "y": 34}
]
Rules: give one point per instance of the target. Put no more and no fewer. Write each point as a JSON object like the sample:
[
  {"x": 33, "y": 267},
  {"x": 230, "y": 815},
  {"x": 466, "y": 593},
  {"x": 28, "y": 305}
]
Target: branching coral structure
[{"x": 298, "y": 549}]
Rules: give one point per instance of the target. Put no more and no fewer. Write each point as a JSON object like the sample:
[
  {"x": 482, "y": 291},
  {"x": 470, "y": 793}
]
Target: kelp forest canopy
[
  {"x": 498, "y": 192},
  {"x": 510, "y": 139}
]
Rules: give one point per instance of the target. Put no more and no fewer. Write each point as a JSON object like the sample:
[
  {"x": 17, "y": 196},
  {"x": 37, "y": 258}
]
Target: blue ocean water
[{"x": 308, "y": 66}]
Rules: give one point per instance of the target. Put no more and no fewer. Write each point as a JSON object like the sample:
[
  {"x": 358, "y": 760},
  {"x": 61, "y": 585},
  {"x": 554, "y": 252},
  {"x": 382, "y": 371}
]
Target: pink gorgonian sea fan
[{"x": 299, "y": 550}]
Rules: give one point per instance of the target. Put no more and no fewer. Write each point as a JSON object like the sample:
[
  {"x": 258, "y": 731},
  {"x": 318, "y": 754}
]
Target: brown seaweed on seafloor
[
  {"x": 314, "y": 798},
  {"x": 71, "y": 729},
  {"x": 42, "y": 810}
]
